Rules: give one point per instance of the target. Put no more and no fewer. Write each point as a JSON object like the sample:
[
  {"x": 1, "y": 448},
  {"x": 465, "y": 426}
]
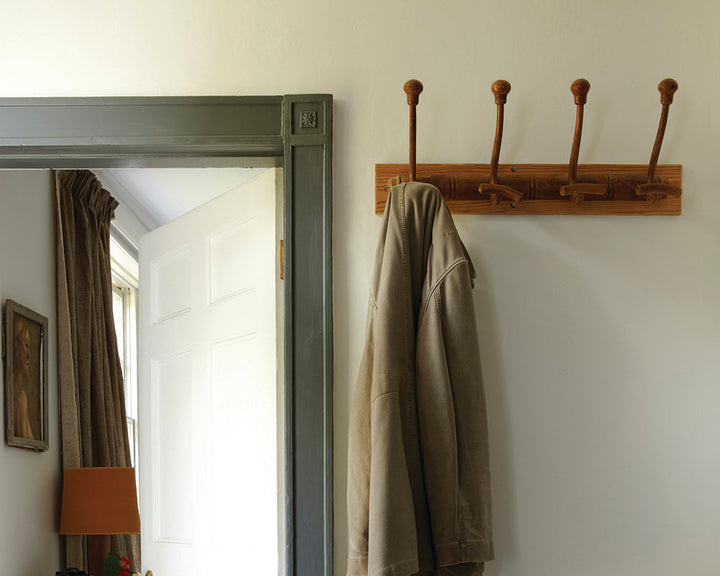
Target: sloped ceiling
[{"x": 158, "y": 195}]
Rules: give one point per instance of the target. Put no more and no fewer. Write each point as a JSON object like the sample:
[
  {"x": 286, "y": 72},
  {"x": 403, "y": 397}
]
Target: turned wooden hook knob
[
  {"x": 667, "y": 89},
  {"x": 580, "y": 89},
  {"x": 500, "y": 88},
  {"x": 413, "y": 88}
]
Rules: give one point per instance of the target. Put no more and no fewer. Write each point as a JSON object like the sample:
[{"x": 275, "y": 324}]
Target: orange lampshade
[{"x": 99, "y": 501}]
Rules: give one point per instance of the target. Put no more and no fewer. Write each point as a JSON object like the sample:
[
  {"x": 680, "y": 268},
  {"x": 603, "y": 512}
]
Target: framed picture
[{"x": 25, "y": 356}]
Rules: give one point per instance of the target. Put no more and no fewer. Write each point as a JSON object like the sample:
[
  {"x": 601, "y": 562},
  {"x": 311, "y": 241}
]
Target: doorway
[
  {"x": 210, "y": 364},
  {"x": 294, "y": 132}
]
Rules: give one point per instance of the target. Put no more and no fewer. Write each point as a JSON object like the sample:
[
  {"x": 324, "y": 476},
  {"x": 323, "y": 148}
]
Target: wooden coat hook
[
  {"x": 500, "y": 89},
  {"x": 577, "y": 190},
  {"x": 543, "y": 188},
  {"x": 652, "y": 190},
  {"x": 413, "y": 88}
]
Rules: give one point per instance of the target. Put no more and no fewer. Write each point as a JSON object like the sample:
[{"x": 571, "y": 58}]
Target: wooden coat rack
[{"x": 543, "y": 188}]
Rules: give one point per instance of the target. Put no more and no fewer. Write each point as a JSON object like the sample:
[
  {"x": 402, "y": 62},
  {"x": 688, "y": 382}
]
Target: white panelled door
[{"x": 208, "y": 346}]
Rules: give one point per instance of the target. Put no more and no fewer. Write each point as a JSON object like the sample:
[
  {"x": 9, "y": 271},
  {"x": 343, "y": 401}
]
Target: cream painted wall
[
  {"x": 30, "y": 481},
  {"x": 600, "y": 335}
]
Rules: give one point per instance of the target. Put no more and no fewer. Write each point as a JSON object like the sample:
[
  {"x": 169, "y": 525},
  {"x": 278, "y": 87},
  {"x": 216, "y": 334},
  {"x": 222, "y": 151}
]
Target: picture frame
[{"x": 25, "y": 356}]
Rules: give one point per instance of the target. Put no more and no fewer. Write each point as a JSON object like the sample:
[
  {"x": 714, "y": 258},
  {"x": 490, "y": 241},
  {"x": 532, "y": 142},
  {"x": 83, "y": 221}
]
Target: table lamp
[{"x": 98, "y": 502}]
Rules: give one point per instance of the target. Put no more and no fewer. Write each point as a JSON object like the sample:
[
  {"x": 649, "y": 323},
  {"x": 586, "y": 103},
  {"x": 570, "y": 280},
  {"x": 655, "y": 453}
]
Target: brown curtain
[{"x": 92, "y": 401}]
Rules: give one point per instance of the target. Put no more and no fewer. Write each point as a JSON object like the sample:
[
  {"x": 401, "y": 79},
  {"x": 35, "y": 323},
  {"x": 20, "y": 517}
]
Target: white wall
[
  {"x": 30, "y": 481},
  {"x": 600, "y": 335}
]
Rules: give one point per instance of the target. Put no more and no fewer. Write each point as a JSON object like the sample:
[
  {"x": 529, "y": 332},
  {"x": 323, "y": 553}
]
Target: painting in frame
[{"x": 25, "y": 356}]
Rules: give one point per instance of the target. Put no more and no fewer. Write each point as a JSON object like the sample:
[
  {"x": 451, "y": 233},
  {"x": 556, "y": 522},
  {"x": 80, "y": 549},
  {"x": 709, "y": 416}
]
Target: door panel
[{"x": 209, "y": 386}]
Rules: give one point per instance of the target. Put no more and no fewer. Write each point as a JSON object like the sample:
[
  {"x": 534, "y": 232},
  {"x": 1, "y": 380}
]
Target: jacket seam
[
  {"x": 435, "y": 286},
  {"x": 454, "y": 543},
  {"x": 383, "y": 394},
  {"x": 445, "y": 234}
]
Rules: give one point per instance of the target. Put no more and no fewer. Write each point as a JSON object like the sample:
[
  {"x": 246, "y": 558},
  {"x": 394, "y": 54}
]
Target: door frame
[{"x": 292, "y": 131}]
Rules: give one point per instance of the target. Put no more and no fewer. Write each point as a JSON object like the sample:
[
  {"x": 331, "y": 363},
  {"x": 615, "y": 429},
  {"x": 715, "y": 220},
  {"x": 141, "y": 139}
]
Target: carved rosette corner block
[{"x": 308, "y": 119}]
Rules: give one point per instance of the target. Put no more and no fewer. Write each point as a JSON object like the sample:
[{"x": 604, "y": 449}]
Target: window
[{"x": 124, "y": 267}]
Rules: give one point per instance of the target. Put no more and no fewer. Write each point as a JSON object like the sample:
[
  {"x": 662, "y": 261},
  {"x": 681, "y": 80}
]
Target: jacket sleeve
[{"x": 453, "y": 423}]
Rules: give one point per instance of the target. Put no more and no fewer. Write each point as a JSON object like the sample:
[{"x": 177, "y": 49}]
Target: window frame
[{"x": 125, "y": 283}]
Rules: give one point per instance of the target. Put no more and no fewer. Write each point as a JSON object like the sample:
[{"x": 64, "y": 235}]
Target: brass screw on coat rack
[{"x": 543, "y": 188}]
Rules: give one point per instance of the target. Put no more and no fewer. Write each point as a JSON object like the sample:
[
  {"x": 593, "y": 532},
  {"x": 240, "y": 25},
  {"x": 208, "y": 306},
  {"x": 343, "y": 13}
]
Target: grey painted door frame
[{"x": 292, "y": 131}]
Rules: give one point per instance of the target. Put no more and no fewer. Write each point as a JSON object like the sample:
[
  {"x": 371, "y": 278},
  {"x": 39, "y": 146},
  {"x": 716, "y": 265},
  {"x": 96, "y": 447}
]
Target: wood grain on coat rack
[{"x": 543, "y": 188}]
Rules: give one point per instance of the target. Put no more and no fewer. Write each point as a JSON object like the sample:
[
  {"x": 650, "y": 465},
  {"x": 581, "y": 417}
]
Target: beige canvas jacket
[{"x": 419, "y": 482}]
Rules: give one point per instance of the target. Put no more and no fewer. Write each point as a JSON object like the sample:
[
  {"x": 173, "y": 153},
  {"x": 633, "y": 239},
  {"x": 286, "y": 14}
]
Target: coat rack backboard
[{"x": 540, "y": 184}]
